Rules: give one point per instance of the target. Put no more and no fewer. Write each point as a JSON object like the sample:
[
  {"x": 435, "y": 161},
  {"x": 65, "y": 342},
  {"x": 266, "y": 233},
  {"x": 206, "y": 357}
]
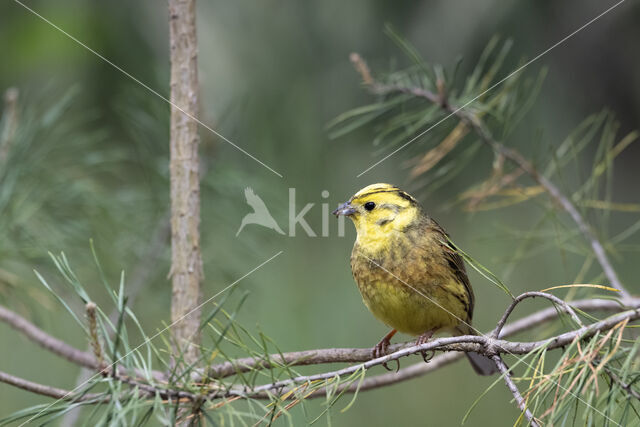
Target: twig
[
  {"x": 522, "y": 404},
  {"x": 626, "y": 387},
  {"x": 62, "y": 394},
  {"x": 45, "y": 390},
  {"x": 480, "y": 344},
  {"x": 354, "y": 355},
  {"x": 420, "y": 369},
  {"x": 454, "y": 345},
  {"x": 567, "y": 308},
  {"x": 474, "y": 122},
  {"x": 58, "y": 347},
  {"x": 46, "y": 341}
]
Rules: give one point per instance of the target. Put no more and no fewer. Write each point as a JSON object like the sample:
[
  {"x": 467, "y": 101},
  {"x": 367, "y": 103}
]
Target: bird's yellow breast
[{"x": 409, "y": 285}]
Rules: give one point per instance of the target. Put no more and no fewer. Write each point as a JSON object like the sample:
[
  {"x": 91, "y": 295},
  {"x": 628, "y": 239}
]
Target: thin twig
[
  {"x": 45, "y": 390},
  {"x": 474, "y": 122},
  {"x": 56, "y": 346},
  {"x": 67, "y": 395},
  {"x": 626, "y": 387},
  {"x": 522, "y": 404},
  {"x": 46, "y": 341},
  {"x": 566, "y": 307}
]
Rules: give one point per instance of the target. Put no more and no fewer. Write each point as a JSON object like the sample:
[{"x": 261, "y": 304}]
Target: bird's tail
[{"x": 480, "y": 363}]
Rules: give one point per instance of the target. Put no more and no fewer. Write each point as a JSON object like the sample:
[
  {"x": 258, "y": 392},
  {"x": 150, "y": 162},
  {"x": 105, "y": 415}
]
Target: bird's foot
[
  {"x": 381, "y": 350},
  {"x": 422, "y": 339}
]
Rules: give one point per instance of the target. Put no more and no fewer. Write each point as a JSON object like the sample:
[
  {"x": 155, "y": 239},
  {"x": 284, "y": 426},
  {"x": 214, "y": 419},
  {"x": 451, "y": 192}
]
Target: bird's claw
[
  {"x": 381, "y": 350},
  {"x": 422, "y": 339},
  {"x": 427, "y": 355}
]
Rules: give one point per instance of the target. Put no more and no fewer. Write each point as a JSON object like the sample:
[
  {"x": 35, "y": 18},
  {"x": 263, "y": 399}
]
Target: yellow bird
[{"x": 408, "y": 276}]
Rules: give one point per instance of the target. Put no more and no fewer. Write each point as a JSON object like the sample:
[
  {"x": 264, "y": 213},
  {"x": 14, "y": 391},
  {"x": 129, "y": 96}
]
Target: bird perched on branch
[{"x": 408, "y": 273}]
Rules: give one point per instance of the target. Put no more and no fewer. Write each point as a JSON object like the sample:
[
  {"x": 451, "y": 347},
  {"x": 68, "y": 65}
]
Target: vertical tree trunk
[{"x": 186, "y": 262}]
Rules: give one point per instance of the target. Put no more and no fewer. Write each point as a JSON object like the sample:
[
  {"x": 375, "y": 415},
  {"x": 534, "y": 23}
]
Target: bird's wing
[
  {"x": 254, "y": 200},
  {"x": 455, "y": 262}
]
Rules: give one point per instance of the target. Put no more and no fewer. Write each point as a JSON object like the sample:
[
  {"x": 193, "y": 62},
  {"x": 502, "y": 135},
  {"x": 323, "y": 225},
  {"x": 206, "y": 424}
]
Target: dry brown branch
[
  {"x": 480, "y": 129},
  {"x": 186, "y": 261}
]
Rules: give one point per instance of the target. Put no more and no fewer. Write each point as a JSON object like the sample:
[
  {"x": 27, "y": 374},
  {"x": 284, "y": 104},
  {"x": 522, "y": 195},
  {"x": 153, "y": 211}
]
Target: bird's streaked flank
[{"x": 407, "y": 274}]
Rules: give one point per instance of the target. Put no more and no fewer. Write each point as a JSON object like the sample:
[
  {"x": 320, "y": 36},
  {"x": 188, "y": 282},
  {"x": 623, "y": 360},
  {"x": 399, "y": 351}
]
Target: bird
[
  {"x": 409, "y": 274},
  {"x": 260, "y": 215}
]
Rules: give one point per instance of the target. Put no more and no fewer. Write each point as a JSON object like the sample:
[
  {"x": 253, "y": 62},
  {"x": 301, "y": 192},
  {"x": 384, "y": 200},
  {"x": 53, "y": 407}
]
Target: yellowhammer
[{"x": 408, "y": 275}]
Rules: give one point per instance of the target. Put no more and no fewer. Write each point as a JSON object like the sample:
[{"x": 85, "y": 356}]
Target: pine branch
[
  {"x": 452, "y": 346},
  {"x": 485, "y": 135}
]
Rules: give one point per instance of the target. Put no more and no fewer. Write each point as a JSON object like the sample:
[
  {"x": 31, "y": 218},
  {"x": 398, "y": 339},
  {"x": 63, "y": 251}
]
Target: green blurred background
[{"x": 272, "y": 74}]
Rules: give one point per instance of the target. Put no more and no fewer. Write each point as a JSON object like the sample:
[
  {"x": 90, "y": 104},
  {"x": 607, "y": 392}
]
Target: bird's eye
[{"x": 369, "y": 206}]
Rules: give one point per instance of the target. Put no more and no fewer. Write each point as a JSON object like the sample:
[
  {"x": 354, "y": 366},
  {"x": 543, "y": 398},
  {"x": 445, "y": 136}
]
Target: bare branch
[
  {"x": 477, "y": 125},
  {"x": 514, "y": 390},
  {"x": 67, "y": 395},
  {"x": 46, "y": 341},
  {"x": 454, "y": 346},
  {"x": 480, "y": 344},
  {"x": 626, "y": 387},
  {"x": 354, "y": 355},
  {"x": 45, "y": 390},
  {"x": 58, "y": 347},
  {"x": 566, "y": 307}
]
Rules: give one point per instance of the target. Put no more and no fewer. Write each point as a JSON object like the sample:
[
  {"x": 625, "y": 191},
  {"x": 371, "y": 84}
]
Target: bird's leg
[
  {"x": 381, "y": 349},
  {"x": 423, "y": 339}
]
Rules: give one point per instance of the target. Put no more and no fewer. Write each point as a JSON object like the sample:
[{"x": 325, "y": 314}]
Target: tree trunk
[{"x": 186, "y": 262}]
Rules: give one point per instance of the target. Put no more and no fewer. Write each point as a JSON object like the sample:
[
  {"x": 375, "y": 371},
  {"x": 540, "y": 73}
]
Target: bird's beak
[{"x": 344, "y": 209}]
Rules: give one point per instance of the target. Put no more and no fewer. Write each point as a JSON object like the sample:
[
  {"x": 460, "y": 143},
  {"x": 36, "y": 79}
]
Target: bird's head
[{"x": 379, "y": 210}]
